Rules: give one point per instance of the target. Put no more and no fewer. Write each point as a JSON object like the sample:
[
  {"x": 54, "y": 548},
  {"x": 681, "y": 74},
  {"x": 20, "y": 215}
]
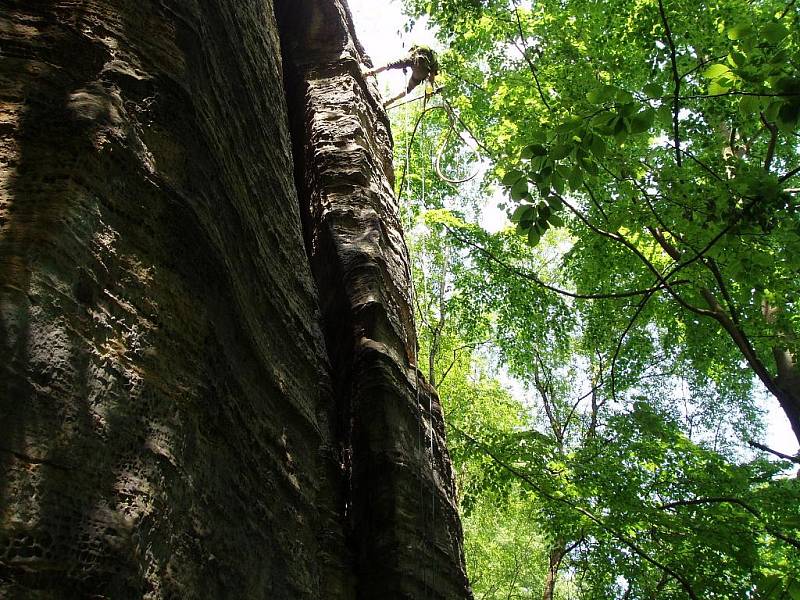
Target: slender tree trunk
[{"x": 554, "y": 564}]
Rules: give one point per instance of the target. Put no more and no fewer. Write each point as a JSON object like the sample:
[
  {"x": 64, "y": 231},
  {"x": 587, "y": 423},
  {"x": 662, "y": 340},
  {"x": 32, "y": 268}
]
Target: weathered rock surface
[
  {"x": 178, "y": 418},
  {"x": 402, "y": 512}
]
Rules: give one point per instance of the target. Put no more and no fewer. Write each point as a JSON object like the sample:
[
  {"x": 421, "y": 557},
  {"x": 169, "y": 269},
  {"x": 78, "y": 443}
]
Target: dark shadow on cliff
[{"x": 52, "y": 509}]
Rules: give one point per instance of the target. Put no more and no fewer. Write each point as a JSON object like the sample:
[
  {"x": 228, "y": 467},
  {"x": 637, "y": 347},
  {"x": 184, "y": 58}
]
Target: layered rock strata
[{"x": 178, "y": 417}]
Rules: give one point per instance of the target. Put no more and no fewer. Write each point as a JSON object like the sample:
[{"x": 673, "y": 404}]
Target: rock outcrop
[{"x": 207, "y": 386}]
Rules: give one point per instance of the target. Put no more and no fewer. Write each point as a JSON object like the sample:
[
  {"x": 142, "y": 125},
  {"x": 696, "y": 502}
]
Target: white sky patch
[{"x": 779, "y": 434}]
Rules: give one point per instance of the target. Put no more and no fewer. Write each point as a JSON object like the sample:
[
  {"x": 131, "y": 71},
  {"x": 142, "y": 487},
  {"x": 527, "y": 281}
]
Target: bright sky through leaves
[{"x": 379, "y": 25}]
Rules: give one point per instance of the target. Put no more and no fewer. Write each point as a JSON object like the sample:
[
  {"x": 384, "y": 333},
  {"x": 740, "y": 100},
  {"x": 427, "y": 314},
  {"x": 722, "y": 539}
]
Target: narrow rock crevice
[{"x": 398, "y": 497}]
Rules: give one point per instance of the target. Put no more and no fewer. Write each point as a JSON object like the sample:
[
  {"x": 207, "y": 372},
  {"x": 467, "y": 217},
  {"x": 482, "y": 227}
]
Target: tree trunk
[
  {"x": 787, "y": 385},
  {"x": 556, "y": 556},
  {"x": 178, "y": 417}
]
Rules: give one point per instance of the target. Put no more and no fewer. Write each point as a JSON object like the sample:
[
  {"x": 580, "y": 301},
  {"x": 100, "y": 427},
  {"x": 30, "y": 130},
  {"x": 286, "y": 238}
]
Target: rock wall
[
  {"x": 178, "y": 418},
  {"x": 402, "y": 514}
]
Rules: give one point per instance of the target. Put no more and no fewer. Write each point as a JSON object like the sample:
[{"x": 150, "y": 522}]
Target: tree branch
[
  {"x": 726, "y": 500},
  {"x": 773, "y": 140},
  {"x": 754, "y": 444},
  {"x": 676, "y": 103},
  {"x": 789, "y": 174},
  {"x": 535, "y": 279},
  {"x": 524, "y": 52}
]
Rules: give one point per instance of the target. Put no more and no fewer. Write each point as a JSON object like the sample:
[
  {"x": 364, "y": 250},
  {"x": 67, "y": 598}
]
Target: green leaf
[
  {"x": 794, "y": 589},
  {"x": 512, "y": 177},
  {"x": 665, "y": 115},
  {"x": 555, "y": 220},
  {"x": 598, "y": 146},
  {"x": 740, "y": 32},
  {"x": 524, "y": 212},
  {"x": 749, "y": 105},
  {"x": 653, "y": 90},
  {"x": 559, "y": 151},
  {"x": 737, "y": 59},
  {"x": 788, "y": 116},
  {"x": 554, "y": 202},
  {"x": 787, "y": 85},
  {"x": 771, "y": 113},
  {"x": 624, "y": 96},
  {"x": 773, "y": 32},
  {"x": 626, "y": 110},
  {"x": 519, "y": 189},
  {"x": 643, "y": 121},
  {"x": 715, "y": 88},
  {"x": 558, "y": 183},
  {"x": 621, "y": 130},
  {"x": 569, "y": 125},
  {"x": 589, "y": 166},
  {"x": 601, "y": 94},
  {"x": 716, "y": 70},
  {"x": 533, "y": 236},
  {"x": 770, "y": 586},
  {"x": 575, "y": 178},
  {"x": 533, "y": 150}
]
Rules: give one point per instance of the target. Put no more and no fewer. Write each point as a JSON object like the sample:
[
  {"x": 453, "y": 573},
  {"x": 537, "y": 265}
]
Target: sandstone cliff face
[{"x": 178, "y": 416}]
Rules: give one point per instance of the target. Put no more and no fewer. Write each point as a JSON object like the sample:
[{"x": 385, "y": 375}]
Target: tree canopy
[{"x": 599, "y": 362}]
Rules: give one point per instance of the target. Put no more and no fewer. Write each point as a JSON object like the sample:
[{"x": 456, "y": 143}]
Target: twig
[
  {"x": 773, "y": 140},
  {"x": 433, "y": 93},
  {"x": 740, "y": 93},
  {"x": 524, "y": 53},
  {"x": 787, "y": 9},
  {"x": 789, "y": 174}
]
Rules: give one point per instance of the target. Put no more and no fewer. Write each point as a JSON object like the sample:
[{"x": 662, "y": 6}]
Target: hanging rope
[
  {"x": 429, "y": 515},
  {"x": 437, "y": 161}
]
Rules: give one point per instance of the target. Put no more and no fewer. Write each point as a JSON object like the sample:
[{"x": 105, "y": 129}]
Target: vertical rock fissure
[{"x": 398, "y": 500}]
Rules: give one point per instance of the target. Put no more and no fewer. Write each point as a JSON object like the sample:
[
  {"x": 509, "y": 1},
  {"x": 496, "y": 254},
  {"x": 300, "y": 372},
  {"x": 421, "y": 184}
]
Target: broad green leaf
[
  {"x": 771, "y": 113},
  {"x": 737, "y": 59},
  {"x": 598, "y": 147},
  {"x": 788, "y": 116},
  {"x": 522, "y": 213},
  {"x": 653, "y": 90},
  {"x": 559, "y": 151},
  {"x": 512, "y": 177},
  {"x": 557, "y": 182},
  {"x": 773, "y": 32},
  {"x": 601, "y": 94},
  {"x": 715, "y": 88},
  {"x": 749, "y": 105},
  {"x": 794, "y": 589},
  {"x": 716, "y": 70},
  {"x": 519, "y": 189},
  {"x": 740, "y": 32},
  {"x": 533, "y": 150},
  {"x": 643, "y": 121}
]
